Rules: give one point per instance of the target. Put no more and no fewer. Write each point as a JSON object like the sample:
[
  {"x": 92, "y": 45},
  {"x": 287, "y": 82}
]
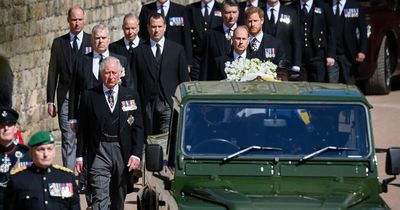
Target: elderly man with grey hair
[{"x": 111, "y": 136}]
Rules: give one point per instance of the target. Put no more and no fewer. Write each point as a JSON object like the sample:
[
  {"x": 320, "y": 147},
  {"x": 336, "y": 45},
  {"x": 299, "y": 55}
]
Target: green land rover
[{"x": 265, "y": 145}]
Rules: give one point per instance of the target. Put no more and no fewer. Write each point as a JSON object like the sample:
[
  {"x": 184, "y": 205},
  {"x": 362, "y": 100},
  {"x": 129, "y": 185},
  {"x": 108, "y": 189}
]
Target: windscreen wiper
[
  {"x": 303, "y": 159},
  {"x": 248, "y": 149}
]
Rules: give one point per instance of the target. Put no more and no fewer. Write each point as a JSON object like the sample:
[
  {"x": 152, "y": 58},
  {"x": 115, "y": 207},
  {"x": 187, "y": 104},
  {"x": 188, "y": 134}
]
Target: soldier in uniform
[
  {"x": 12, "y": 154},
  {"x": 42, "y": 185}
]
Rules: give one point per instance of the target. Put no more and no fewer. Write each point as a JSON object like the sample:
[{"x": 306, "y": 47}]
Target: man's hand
[
  {"x": 51, "y": 109},
  {"x": 330, "y": 61},
  {"x": 133, "y": 163},
  {"x": 79, "y": 166},
  {"x": 74, "y": 126},
  {"x": 360, "y": 57}
]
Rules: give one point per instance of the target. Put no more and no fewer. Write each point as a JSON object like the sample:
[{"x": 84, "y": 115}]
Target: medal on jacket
[{"x": 6, "y": 163}]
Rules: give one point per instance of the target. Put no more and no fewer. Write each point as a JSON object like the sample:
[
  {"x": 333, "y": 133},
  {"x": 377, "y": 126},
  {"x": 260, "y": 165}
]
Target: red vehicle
[{"x": 382, "y": 63}]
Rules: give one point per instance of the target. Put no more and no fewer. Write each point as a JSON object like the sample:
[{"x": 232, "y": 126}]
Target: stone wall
[{"x": 27, "y": 30}]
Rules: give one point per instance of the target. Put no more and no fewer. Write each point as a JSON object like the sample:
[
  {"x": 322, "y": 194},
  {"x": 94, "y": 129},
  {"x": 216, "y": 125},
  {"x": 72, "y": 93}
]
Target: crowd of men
[{"x": 110, "y": 96}]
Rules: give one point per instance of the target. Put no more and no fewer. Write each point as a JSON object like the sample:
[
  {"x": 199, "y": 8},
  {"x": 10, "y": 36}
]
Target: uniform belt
[{"x": 109, "y": 138}]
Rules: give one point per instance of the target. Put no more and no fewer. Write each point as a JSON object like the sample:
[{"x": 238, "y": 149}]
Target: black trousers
[
  {"x": 157, "y": 116},
  {"x": 313, "y": 65}
]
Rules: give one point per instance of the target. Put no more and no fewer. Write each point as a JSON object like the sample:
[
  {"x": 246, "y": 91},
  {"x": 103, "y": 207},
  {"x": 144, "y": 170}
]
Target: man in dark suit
[
  {"x": 244, "y": 6},
  {"x": 111, "y": 136},
  {"x": 351, "y": 38},
  {"x": 318, "y": 39},
  {"x": 161, "y": 67},
  {"x": 178, "y": 27},
  {"x": 284, "y": 25},
  {"x": 218, "y": 41},
  {"x": 240, "y": 41},
  {"x": 126, "y": 45},
  {"x": 203, "y": 16},
  {"x": 262, "y": 46},
  {"x": 87, "y": 75},
  {"x": 64, "y": 51}
]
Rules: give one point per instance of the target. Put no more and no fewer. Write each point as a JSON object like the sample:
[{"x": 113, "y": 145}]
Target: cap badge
[{"x": 4, "y": 114}]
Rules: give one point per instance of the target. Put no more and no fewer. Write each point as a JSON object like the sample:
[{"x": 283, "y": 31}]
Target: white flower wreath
[{"x": 250, "y": 69}]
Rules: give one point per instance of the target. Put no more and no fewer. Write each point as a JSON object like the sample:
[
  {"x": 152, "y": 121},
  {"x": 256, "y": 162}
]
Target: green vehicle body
[{"x": 178, "y": 177}]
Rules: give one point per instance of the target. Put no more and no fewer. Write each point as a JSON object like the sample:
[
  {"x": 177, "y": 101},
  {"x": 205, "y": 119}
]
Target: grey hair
[
  {"x": 111, "y": 59},
  {"x": 130, "y": 15},
  {"x": 100, "y": 27}
]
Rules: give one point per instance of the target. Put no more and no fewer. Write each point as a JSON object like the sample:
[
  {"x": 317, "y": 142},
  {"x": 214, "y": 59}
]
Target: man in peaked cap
[
  {"x": 54, "y": 186},
  {"x": 12, "y": 154}
]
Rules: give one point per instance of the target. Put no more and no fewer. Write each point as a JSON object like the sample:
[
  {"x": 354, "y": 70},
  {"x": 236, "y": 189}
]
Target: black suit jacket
[
  {"x": 61, "y": 66},
  {"x": 288, "y": 31},
  {"x": 172, "y": 72},
  {"x": 199, "y": 27},
  {"x": 353, "y": 44},
  {"x": 270, "y": 49},
  {"x": 220, "y": 64},
  {"x": 216, "y": 45},
  {"x": 119, "y": 48},
  {"x": 242, "y": 7},
  {"x": 322, "y": 28},
  {"x": 93, "y": 108},
  {"x": 84, "y": 79},
  {"x": 175, "y": 32}
]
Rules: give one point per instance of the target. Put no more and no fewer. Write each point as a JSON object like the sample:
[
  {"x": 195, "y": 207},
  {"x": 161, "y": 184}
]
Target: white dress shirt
[{"x": 96, "y": 60}]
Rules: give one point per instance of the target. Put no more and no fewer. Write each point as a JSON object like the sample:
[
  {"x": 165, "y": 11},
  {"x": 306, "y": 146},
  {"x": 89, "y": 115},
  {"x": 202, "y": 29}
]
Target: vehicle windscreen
[{"x": 283, "y": 129}]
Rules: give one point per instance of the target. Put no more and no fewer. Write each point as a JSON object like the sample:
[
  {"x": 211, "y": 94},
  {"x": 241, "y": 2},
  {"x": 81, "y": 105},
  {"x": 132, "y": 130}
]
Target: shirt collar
[
  {"x": 72, "y": 36},
  {"x": 254, "y": 3},
  {"x": 259, "y": 36},
  {"x": 161, "y": 42},
  {"x": 308, "y": 3},
  {"x": 115, "y": 89},
  {"x": 105, "y": 54},
  {"x": 210, "y": 4},
  {"x": 236, "y": 55},
  {"x": 276, "y": 7},
  {"x": 165, "y": 5},
  {"x": 135, "y": 42},
  {"x": 226, "y": 27}
]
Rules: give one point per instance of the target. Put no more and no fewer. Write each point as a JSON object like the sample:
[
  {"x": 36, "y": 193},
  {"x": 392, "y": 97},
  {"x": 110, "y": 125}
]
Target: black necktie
[
  {"x": 254, "y": 45},
  {"x": 130, "y": 47},
  {"x": 272, "y": 18},
  {"x": 337, "y": 13},
  {"x": 101, "y": 59},
  {"x": 158, "y": 53},
  {"x": 110, "y": 98},
  {"x": 162, "y": 10},
  {"x": 75, "y": 45},
  {"x": 305, "y": 9},
  {"x": 206, "y": 16}
]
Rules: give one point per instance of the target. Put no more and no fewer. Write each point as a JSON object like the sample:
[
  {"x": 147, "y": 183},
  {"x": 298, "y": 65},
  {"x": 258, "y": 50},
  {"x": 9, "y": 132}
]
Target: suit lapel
[
  {"x": 100, "y": 105},
  {"x": 149, "y": 59},
  {"x": 67, "y": 52},
  {"x": 123, "y": 115}
]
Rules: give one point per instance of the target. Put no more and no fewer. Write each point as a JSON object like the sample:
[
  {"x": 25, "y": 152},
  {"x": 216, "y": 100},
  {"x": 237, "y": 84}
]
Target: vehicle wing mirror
[
  {"x": 393, "y": 161},
  {"x": 154, "y": 157}
]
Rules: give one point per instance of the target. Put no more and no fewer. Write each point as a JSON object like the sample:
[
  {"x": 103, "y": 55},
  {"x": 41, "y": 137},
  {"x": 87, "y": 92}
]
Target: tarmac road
[{"x": 386, "y": 129}]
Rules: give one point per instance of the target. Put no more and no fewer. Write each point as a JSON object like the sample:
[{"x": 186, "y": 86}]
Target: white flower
[{"x": 250, "y": 69}]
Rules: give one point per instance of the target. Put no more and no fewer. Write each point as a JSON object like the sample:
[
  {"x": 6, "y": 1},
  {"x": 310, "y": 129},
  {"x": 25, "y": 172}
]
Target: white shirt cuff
[
  {"x": 137, "y": 158},
  {"x": 295, "y": 68},
  {"x": 79, "y": 159}
]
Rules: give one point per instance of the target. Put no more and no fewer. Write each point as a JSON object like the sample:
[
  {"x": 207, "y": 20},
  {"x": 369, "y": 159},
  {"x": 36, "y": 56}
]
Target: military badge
[
  {"x": 317, "y": 10},
  {"x": 176, "y": 21},
  {"x": 217, "y": 13},
  {"x": 270, "y": 52},
  {"x": 63, "y": 190},
  {"x": 285, "y": 19},
  {"x": 87, "y": 50},
  {"x": 4, "y": 114},
  {"x": 128, "y": 105},
  {"x": 130, "y": 120},
  {"x": 5, "y": 166}
]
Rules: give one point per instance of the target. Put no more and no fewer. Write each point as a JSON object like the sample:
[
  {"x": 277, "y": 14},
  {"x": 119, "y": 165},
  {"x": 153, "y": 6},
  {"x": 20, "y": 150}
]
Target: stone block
[
  {"x": 37, "y": 10},
  {"x": 20, "y": 13}
]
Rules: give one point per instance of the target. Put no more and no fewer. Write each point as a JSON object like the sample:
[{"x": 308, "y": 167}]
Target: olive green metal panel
[{"x": 228, "y": 169}]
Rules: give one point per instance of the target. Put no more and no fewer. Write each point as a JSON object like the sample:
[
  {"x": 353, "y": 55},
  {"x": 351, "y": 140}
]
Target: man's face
[
  {"x": 110, "y": 74},
  {"x": 272, "y": 2},
  {"x": 43, "y": 155},
  {"x": 255, "y": 23},
  {"x": 240, "y": 40},
  {"x": 76, "y": 21},
  {"x": 7, "y": 131},
  {"x": 230, "y": 15},
  {"x": 130, "y": 28},
  {"x": 100, "y": 41},
  {"x": 156, "y": 29}
]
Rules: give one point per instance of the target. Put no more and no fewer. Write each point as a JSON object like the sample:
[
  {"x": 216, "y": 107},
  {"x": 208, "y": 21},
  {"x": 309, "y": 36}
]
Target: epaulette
[
  {"x": 62, "y": 168},
  {"x": 17, "y": 170}
]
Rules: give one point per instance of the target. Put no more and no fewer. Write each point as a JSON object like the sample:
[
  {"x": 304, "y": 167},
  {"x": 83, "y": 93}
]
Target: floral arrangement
[{"x": 250, "y": 69}]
